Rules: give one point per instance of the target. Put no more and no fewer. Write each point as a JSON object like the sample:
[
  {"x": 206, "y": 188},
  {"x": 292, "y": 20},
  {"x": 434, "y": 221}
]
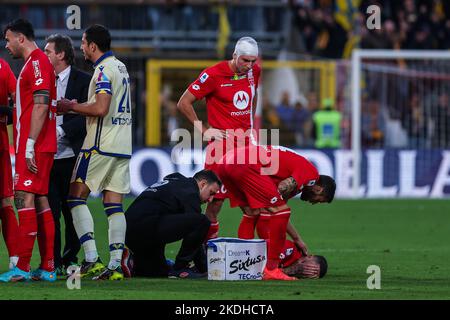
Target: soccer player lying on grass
[
  {"x": 296, "y": 261},
  {"x": 166, "y": 212},
  {"x": 254, "y": 183}
]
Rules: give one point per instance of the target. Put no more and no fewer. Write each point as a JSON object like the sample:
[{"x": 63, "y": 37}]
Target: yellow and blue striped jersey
[{"x": 110, "y": 135}]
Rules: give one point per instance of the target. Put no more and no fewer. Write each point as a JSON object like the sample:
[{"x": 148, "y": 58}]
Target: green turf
[{"x": 407, "y": 239}]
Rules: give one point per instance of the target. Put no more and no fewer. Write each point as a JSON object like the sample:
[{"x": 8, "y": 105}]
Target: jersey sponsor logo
[
  {"x": 241, "y": 100},
  {"x": 226, "y": 85},
  {"x": 121, "y": 121},
  {"x": 195, "y": 87},
  {"x": 240, "y": 113},
  {"x": 37, "y": 69},
  {"x": 39, "y": 82},
  {"x": 203, "y": 77}
]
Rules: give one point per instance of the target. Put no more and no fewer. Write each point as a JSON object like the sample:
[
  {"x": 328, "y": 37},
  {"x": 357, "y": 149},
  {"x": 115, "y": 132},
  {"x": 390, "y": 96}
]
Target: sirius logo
[{"x": 241, "y": 100}]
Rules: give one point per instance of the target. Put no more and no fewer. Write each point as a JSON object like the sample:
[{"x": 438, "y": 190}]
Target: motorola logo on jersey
[{"x": 241, "y": 100}]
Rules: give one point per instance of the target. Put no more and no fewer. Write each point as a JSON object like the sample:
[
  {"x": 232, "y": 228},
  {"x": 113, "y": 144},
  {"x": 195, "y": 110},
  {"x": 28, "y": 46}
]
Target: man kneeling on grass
[{"x": 166, "y": 212}]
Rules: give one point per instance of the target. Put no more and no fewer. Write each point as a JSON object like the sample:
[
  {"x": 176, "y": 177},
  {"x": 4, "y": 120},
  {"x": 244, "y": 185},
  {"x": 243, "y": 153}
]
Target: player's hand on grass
[
  {"x": 213, "y": 133},
  {"x": 64, "y": 106},
  {"x": 29, "y": 156}
]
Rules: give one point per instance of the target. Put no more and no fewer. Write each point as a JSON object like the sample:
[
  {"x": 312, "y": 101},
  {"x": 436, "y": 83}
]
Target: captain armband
[{"x": 41, "y": 97}]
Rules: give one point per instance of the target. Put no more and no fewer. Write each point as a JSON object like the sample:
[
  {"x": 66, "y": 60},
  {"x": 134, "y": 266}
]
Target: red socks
[
  {"x": 263, "y": 225},
  {"x": 27, "y": 236},
  {"x": 247, "y": 227},
  {"x": 277, "y": 237},
  {"x": 46, "y": 239},
  {"x": 10, "y": 230},
  {"x": 30, "y": 225}
]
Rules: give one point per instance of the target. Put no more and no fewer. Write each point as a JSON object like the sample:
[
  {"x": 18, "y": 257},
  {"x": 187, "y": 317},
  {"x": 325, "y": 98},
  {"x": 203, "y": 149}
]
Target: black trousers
[
  {"x": 148, "y": 237},
  {"x": 57, "y": 196}
]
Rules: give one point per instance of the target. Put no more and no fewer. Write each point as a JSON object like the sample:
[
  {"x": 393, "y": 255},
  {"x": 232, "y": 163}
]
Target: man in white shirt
[{"x": 71, "y": 130}]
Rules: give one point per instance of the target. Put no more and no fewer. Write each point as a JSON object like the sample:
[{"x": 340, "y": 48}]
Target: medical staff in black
[{"x": 166, "y": 212}]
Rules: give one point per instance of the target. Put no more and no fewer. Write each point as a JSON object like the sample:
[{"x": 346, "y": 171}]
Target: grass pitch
[{"x": 407, "y": 239}]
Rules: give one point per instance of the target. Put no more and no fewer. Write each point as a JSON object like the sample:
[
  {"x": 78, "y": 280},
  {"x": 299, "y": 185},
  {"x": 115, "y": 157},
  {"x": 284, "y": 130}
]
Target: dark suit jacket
[{"x": 74, "y": 125}]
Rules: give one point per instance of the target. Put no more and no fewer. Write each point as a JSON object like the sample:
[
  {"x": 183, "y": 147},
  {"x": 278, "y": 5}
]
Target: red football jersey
[
  {"x": 36, "y": 74},
  {"x": 290, "y": 254},
  {"x": 291, "y": 164},
  {"x": 7, "y": 86},
  {"x": 229, "y": 96},
  {"x": 279, "y": 163}
]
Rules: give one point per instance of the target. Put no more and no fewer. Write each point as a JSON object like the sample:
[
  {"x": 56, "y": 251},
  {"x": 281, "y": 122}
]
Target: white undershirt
[{"x": 64, "y": 150}]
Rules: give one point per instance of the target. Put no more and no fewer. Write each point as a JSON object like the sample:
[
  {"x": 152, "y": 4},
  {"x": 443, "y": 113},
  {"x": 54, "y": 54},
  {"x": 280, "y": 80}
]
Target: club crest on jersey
[
  {"x": 37, "y": 69},
  {"x": 238, "y": 77},
  {"x": 203, "y": 77},
  {"x": 241, "y": 100}
]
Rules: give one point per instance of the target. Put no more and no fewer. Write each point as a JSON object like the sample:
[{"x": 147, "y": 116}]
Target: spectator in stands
[
  {"x": 372, "y": 124},
  {"x": 285, "y": 110},
  {"x": 269, "y": 115},
  {"x": 415, "y": 122},
  {"x": 169, "y": 108},
  {"x": 442, "y": 121},
  {"x": 302, "y": 124},
  {"x": 285, "y": 113}
]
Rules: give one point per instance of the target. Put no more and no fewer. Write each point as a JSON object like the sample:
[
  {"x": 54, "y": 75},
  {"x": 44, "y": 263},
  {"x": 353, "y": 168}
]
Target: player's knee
[{"x": 79, "y": 190}]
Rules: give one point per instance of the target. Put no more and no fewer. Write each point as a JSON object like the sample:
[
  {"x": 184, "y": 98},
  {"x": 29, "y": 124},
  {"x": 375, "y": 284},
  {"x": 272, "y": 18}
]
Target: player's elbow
[
  {"x": 102, "y": 112},
  {"x": 181, "y": 105}
]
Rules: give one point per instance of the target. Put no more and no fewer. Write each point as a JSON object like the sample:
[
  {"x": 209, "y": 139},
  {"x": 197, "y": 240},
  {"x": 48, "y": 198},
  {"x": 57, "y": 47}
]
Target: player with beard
[
  {"x": 263, "y": 187},
  {"x": 35, "y": 146}
]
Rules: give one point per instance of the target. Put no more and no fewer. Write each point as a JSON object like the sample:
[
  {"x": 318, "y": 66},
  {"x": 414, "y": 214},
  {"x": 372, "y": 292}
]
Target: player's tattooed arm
[
  {"x": 287, "y": 186},
  {"x": 41, "y": 97},
  {"x": 19, "y": 199}
]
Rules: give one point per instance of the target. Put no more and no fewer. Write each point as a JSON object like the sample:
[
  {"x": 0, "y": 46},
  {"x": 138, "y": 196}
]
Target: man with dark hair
[
  {"x": 103, "y": 162},
  {"x": 295, "y": 260},
  {"x": 166, "y": 212},
  {"x": 35, "y": 146},
  {"x": 294, "y": 263},
  {"x": 71, "y": 83},
  {"x": 260, "y": 180},
  {"x": 98, "y": 35}
]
